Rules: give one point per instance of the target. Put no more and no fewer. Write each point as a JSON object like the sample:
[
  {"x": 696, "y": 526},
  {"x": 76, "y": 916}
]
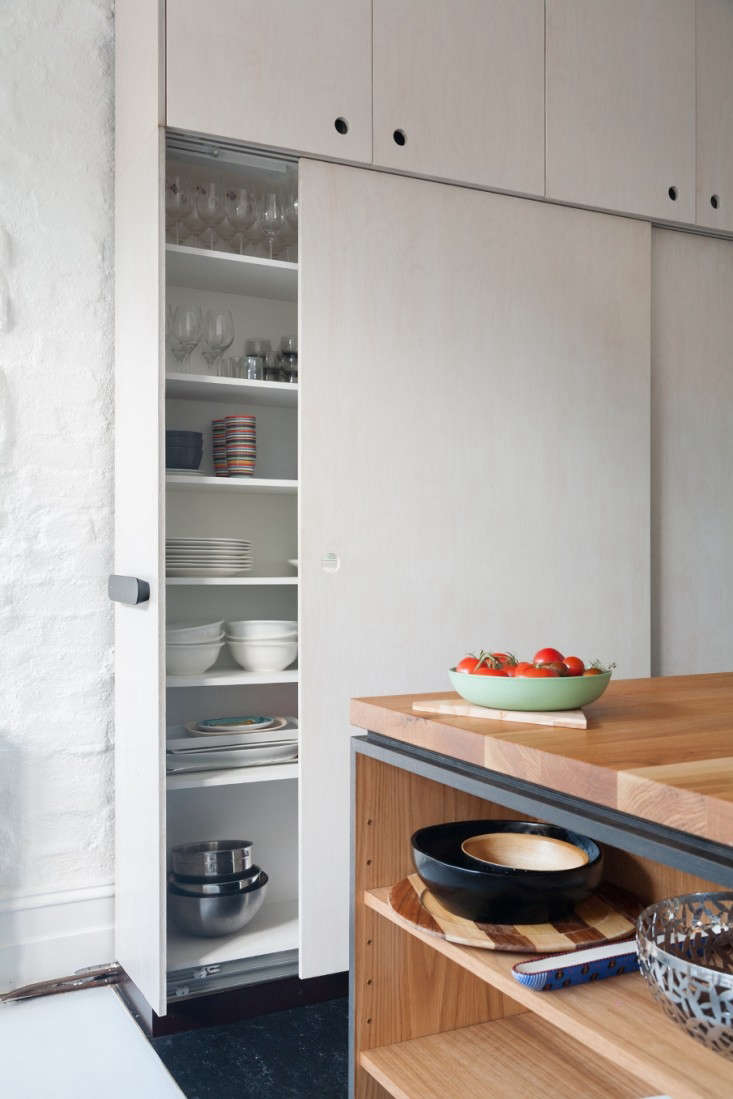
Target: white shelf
[
  {"x": 205, "y": 387},
  {"x": 233, "y": 776},
  {"x": 250, "y": 276},
  {"x": 273, "y": 930},
  {"x": 232, "y": 677},
  {"x": 229, "y": 484},
  {"x": 216, "y": 581}
]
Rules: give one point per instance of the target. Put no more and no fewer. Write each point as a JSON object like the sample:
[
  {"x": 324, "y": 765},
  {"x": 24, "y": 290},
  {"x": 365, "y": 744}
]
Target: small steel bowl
[
  {"x": 210, "y": 917},
  {"x": 211, "y": 859},
  {"x": 216, "y": 888},
  {"x": 685, "y": 947}
]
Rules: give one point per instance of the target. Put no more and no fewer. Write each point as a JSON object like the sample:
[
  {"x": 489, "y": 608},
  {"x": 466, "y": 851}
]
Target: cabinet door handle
[{"x": 128, "y": 589}]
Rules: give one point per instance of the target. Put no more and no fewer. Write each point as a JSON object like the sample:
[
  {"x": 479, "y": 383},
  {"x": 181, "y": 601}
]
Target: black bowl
[
  {"x": 183, "y": 449},
  {"x": 491, "y": 893}
]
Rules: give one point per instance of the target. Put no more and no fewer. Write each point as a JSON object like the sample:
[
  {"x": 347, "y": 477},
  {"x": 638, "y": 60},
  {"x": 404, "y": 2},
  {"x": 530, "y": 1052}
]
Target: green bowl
[{"x": 508, "y": 693}]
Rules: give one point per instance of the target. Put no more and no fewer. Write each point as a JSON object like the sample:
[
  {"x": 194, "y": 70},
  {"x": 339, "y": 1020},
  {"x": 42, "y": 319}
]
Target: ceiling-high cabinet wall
[{"x": 620, "y": 105}]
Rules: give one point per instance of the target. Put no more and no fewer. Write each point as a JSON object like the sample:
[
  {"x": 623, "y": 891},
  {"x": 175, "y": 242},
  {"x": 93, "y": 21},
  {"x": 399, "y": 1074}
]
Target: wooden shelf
[
  {"x": 250, "y": 276},
  {"x": 229, "y": 484},
  {"x": 616, "y": 1018},
  {"x": 231, "y": 581},
  {"x": 495, "y": 1060},
  {"x": 273, "y": 931},
  {"x": 205, "y": 387},
  {"x": 233, "y": 776},
  {"x": 232, "y": 677}
]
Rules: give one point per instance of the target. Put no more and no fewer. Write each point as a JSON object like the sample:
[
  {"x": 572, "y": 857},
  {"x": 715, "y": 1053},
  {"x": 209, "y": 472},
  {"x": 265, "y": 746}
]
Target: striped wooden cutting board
[{"x": 609, "y": 914}]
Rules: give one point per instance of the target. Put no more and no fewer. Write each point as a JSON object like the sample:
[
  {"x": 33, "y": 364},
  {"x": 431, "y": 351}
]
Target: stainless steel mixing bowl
[
  {"x": 209, "y": 917},
  {"x": 211, "y": 888},
  {"x": 212, "y": 859}
]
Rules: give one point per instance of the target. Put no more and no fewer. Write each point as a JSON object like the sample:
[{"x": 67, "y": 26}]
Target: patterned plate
[{"x": 609, "y": 914}]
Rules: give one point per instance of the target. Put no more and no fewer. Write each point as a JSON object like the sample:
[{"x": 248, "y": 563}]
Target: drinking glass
[
  {"x": 210, "y": 208},
  {"x": 186, "y": 333},
  {"x": 240, "y": 212},
  {"x": 218, "y": 335},
  {"x": 177, "y": 207},
  {"x": 272, "y": 219}
]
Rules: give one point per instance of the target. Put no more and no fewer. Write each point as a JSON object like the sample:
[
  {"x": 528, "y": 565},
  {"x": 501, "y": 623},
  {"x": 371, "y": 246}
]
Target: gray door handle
[{"x": 128, "y": 589}]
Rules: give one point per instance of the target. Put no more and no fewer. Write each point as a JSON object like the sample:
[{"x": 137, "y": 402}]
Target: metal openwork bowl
[{"x": 686, "y": 956}]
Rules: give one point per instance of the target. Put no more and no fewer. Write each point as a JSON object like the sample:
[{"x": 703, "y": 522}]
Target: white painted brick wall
[{"x": 56, "y": 423}]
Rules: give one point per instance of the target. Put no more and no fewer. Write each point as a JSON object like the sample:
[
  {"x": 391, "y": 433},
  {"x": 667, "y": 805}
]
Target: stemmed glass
[
  {"x": 218, "y": 335},
  {"x": 240, "y": 213},
  {"x": 177, "y": 207},
  {"x": 210, "y": 208},
  {"x": 272, "y": 219},
  {"x": 185, "y": 333}
]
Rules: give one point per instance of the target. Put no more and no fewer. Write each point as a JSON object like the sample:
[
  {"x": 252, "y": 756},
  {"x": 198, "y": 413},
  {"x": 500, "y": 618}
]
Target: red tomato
[
  {"x": 540, "y": 673},
  {"x": 510, "y": 670},
  {"x": 505, "y": 660},
  {"x": 547, "y": 656},
  {"x": 574, "y": 665},
  {"x": 593, "y": 671},
  {"x": 521, "y": 668},
  {"x": 486, "y": 670},
  {"x": 557, "y": 666},
  {"x": 468, "y": 664}
]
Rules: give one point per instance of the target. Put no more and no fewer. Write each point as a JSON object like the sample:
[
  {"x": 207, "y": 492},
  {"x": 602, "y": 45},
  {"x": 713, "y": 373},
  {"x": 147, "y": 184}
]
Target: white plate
[
  {"x": 204, "y": 559},
  {"x": 245, "y": 757},
  {"x": 230, "y": 725},
  {"x": 212, "y": 570},
  {"x": 208, "y": 542}
]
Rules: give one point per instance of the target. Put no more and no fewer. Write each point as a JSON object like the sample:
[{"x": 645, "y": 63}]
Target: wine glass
[
  {"x": 210, "y": 208},
  {"x": 177, "y": 207},
  {"x": 240, "y": 212},
  {"x": 272, "y": 219},
  {"x": 185, "y": 333},
  {"x": 218, "y": 335}
]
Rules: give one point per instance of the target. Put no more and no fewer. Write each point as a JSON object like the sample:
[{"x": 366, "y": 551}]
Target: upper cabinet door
[
  {"x": 139, "y": 657},
  {"x": 459, "y": 90},
  {"x": 714, "y": 43},
  {"x": 287, "y": 75},
  {"x": 620, "y": 105}
]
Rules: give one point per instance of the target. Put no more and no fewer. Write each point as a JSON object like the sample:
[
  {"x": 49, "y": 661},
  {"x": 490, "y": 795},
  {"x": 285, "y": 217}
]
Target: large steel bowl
[{"x": 211, "y": 917}]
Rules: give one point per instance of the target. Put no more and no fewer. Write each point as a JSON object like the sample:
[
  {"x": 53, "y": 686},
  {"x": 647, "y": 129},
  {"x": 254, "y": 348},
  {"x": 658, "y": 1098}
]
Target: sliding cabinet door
[
  {"x": 139, "y": 668},
  {"x": 474, "y": 460},
  {"x": 692, "y": 453}
]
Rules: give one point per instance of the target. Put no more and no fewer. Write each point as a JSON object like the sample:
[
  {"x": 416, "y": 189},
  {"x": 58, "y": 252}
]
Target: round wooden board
[{"x": 608, "y": 915}]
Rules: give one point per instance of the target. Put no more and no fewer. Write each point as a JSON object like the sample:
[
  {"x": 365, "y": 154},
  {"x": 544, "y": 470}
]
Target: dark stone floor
[{"x": 295, "y": 1054}]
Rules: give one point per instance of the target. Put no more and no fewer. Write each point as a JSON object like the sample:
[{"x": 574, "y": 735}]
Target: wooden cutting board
[
  {"x": 608, "y": 915},
  {"x": 450, "y": 707}
]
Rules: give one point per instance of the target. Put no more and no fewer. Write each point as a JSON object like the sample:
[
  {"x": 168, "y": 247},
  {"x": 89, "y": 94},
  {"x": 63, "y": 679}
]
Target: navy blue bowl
[
  {"x": 183, "y": 449},
  {"x": 491, "y": 893}
]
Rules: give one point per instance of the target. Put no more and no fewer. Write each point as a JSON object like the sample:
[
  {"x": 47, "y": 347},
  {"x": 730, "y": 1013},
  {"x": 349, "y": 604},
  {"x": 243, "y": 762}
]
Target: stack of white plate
[
  {"x": 207, "y": 556},
  {"x": 219, "y": 743}
]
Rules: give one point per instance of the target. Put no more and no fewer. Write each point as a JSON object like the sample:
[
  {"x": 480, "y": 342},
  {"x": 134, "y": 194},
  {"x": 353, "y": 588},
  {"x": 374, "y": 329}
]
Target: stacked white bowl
[
  {"x": 263, "y": 645},
  {"x": 191, "y": 650}
]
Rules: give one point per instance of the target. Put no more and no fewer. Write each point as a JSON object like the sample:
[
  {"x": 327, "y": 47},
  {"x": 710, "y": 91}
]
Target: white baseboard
[{"x": 53, "y": 934}]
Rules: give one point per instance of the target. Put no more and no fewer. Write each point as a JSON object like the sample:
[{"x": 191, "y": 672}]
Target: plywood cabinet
[
  {"x": 620, "y": 105},
  {"x": 692, "y": 452},
  {"x": 286, "y": 75},
  {"x": 459, "y": 90},
  {"x": 714, "y": 48}
]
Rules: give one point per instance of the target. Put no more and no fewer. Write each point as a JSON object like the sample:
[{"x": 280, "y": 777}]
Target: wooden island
[{"x": 651, "y": 778}]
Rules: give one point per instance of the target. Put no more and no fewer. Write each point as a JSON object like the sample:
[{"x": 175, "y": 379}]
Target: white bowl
[
  {"x": 180, "y": 634},
  {"x": 254, "y": 629},
  {"x": 191, "y": 659},
  {"x": 263, "y": 656}
]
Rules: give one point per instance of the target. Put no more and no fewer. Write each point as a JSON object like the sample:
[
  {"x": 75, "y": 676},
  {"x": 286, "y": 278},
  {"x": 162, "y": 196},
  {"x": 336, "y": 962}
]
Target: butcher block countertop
[{"x": 660, "y": 749}]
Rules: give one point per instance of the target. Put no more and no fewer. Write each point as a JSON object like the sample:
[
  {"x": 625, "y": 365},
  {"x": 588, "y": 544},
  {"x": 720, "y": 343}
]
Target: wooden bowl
[
  {"x": 494, "y": 892},
  {"x": 524, "y": 851}
]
